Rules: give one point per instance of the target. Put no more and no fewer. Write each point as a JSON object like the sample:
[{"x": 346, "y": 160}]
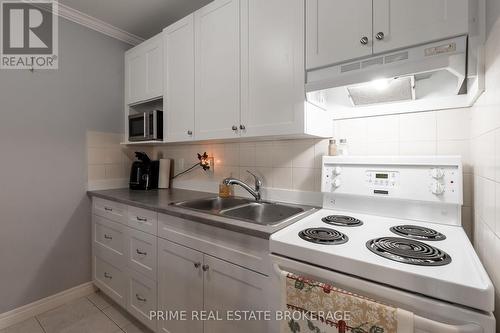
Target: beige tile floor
[{"x": 92, "y": 314}]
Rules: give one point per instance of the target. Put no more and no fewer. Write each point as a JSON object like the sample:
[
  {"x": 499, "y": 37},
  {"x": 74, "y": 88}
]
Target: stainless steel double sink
[{"x": 259, "y": 212}]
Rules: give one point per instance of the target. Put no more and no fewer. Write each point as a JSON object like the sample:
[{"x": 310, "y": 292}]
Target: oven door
[
  {"x": 138, "y": 127},
  {"x": 430, "y": 315}
]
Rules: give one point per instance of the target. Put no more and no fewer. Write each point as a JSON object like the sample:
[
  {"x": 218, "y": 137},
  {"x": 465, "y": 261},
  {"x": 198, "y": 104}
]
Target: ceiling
[{"x": 143, "y": 18}]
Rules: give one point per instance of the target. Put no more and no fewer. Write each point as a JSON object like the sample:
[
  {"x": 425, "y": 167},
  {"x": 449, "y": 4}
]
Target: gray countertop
[{"x": 161, "y": 201}]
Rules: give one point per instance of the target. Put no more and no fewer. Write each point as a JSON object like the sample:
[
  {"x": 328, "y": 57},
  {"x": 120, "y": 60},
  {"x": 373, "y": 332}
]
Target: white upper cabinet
[
  {"x": 272, "y": 67},
  {"x": 143, "y": 71},
  {"x": 178, "y": 41},
  {"x": 402, "y": 23},
  {"x": 217, "y": 70},
  {"x": 337, "y": 30}
]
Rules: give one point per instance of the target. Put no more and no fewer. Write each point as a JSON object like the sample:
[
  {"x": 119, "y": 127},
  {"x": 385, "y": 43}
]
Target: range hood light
[{"x": 380, "y": 84}]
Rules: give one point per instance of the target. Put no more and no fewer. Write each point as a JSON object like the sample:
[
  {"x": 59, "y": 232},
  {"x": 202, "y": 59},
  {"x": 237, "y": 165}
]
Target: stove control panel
[{"x": 419, "y": 181}]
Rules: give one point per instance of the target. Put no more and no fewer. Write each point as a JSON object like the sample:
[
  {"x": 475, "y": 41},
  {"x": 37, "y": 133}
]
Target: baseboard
[{"x": 45, "y": 304}]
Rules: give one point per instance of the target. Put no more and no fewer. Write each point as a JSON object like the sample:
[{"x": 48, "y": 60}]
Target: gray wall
[
  {"x": 492, "y": 13},
  {"x": 44, "y": 210}
]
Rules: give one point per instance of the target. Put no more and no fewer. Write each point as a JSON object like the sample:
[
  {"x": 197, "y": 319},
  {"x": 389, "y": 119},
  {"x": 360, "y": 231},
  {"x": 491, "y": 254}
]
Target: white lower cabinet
[
  {"x": 141, "y": 253},
  {"x": 230, "y": 288},
  {"x": 142, "y": 296},
  {"x": 110, "y": 279},
  {"x": 180, "y": 285},
  {"x": 191, "y": 281},
  {"x": 189, "y": 269}
]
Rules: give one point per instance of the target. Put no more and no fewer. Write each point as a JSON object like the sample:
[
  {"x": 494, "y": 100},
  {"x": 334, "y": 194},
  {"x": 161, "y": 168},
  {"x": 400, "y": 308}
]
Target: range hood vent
[{"x": 415, "y": 73}]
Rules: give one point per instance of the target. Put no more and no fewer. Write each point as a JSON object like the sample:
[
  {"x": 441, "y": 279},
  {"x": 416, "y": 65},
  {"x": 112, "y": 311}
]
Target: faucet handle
[{"x": 258, "y": 182}]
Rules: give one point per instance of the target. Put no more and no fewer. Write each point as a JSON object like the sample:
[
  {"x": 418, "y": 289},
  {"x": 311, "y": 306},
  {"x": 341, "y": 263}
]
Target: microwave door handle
[
  {"x": 145, "y": 122},
  {"x": 155, "y": 124}
]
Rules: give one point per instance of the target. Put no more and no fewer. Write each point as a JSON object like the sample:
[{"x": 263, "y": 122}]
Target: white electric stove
[{"x": 390, "y": 228}]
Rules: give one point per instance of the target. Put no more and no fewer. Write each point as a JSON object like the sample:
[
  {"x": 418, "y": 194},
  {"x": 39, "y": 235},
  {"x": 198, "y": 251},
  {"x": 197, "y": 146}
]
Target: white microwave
[{"x": 146, "y": 126}]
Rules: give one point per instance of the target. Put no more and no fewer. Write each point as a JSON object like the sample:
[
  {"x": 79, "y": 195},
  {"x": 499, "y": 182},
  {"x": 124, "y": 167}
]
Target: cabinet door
[
  {"x": 143, "y": 71},
  {"x": 334, "y": 30},
  {"x": 180, "y": 285},
  {"x": 411, "y": 22},
  {"x": 153, "y": 53},
  {"x": 178, "y": 41},
  {"x": 272, "y": 67},
  {"x": 135, "y": 76},
  {"x": 231, "y": 288},
  {"x": 217, "y": 70}
]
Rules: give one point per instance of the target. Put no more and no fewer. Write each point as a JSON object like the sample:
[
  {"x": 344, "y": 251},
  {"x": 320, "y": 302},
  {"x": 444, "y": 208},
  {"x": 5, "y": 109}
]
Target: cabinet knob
[
  {"x": 108, "y": 209},
  {"x": 108, "y": 276},
  {"x": 139, "y": 298},
  {"x": 141, "y": 252},
  {"x": 242, "y": 127},
  {"x": 197, "y": 265},
  {"x": 380, "y": 35},
  {"x": 141, "y": 219},
  {"x": 364, "y": 40},
  {"x": 107, "y": 236},
  {"x": 234, "y": 128},
  {"x": 205, "y": 268},
  {"x": 189, "y": 132}
]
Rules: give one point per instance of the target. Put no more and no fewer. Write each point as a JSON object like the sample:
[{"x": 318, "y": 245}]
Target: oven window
[{"x": 136, "y": 127}]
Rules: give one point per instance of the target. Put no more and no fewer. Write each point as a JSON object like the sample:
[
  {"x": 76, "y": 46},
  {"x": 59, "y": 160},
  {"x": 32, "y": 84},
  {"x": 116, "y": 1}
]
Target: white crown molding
[
  {"x": 98, "y": 25},
  {"x": 93, "y": 23}
]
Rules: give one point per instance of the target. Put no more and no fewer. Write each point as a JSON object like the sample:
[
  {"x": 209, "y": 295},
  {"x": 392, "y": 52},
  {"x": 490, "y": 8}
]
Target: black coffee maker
[{"x": 144, "y": 173}]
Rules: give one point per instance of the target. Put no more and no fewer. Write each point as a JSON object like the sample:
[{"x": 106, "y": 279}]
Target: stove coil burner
[
  {"x": 343, "y": 221},
  {"x": 408, "y": 251},
  {"x": 417, "y": 232},
  {"x": 325, "y": 236}
]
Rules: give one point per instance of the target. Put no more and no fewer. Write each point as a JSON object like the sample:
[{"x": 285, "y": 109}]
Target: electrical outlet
[
  {"x": 179, "y": 164},
  {"x": 211, "y": 163}
]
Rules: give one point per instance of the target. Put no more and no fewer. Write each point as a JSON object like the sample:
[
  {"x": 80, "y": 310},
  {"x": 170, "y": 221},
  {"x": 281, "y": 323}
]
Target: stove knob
[
  {"x": 437, "y": 188},
  {"x": 336, "y": 183},
  {"x": 437, "y": 173},
  {"x": 337, "y": 171}
]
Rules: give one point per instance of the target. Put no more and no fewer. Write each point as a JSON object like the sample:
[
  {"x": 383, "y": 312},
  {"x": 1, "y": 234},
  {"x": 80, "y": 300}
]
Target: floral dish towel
[{"x": 317, "y": 307}]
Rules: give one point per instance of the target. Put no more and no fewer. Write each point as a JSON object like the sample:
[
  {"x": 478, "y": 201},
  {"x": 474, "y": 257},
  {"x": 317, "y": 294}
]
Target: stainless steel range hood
[{"x": 422, "y": 72}]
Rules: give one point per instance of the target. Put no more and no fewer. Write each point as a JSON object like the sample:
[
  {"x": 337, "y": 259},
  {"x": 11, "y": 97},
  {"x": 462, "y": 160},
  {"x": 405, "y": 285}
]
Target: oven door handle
[{"x": 424, "y": 325}]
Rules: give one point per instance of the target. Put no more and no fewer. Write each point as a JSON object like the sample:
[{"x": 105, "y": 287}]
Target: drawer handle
[
  {"x": 108, "y": 209},
  {"x": 205, "y": 268},
  {"x": 107, "y": 236},
  {"x": 197, "y": 264},
  {"x": 141, "y": 219},
  {"x": 108, "y": 276},
  {"x": 140, "y": 252},
  {"x": 140, "y": 299}
]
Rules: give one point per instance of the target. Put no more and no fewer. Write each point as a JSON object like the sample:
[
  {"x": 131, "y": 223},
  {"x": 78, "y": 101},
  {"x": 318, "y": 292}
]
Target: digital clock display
[{"x": 381, "y": 176}]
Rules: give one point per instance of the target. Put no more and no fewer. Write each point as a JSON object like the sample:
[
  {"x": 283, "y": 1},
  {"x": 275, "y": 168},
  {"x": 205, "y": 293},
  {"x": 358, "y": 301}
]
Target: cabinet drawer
[
  {"x": 141, "y": 252},
  {"x": 143, "y": 219},
  {"x": 238, "y": 248},
  {"x": 110, "y": 209},
  {"x": 141, "y": 297},
  {"x": 109, "y": 239},
  {"x": 110, "y": 279}
]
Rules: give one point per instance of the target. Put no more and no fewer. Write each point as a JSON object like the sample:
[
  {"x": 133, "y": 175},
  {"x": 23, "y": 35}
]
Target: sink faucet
[{"x": 255, "y": 193}]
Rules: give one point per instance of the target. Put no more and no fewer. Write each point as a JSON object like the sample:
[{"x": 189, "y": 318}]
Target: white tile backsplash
[
  {"x": 107, "y": 160},
  {"x": 485, "y": 155},
  {"x": 382, "y": 129},
  {"x": 419, "y": 126},
  {"x": 453, "y": 124}
]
